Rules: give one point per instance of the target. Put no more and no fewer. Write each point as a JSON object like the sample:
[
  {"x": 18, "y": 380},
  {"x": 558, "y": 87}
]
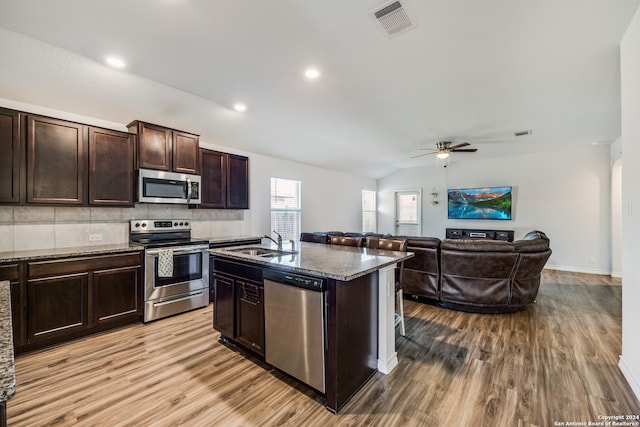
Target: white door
[{"x": 409, "y": 213}]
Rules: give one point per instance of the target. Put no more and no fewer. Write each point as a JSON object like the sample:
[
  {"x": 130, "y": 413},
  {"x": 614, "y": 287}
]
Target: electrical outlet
[{"x": 95, "y": 237}]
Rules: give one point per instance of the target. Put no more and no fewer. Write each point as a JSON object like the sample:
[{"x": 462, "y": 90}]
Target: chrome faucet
[{"x": 278, "y": 242}]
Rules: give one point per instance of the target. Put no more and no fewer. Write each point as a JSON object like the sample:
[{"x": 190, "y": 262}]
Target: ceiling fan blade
[
  {"x": 430, "y": 149},
  {"x": 454, "y": 147},
  {"x": 465, "y": 150},
  {"x": 420, "y": 155}
]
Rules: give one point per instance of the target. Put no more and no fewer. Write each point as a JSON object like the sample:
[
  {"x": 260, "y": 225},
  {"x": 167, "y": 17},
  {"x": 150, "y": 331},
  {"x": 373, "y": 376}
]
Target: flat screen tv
[{"x": 479, "y": 203}]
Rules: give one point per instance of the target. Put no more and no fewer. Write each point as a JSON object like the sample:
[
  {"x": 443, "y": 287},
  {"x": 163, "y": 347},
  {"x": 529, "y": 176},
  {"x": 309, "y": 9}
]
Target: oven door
[{"x": 190, "y": 272}]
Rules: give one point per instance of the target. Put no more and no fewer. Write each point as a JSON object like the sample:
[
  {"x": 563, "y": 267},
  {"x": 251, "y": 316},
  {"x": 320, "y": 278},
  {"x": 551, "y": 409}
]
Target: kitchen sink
[{"x": 261, "y": 252}]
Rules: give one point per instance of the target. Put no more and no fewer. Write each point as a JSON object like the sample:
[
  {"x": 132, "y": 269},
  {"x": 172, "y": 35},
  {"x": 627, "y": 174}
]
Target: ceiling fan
[{"x": 444, "y": 149}]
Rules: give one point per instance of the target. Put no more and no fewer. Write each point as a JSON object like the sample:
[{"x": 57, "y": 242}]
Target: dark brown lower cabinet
[
  {"x": 226, "y": 244},
  {"x": 250, "y": 315},
  {"x": 224, "y": 306},
  {"x": 115, "y": 295},
  {"x": 56, "y": 300},
  {"x": 238, "y": 311},
  {"x": 13, "y": 273},
  {"x": 16, "y": 316},
  {"x": 57, "y": 306}
]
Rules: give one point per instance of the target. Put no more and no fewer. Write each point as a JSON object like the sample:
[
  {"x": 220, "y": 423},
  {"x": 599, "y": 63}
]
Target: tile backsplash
[{"x": 43, "y": 227}]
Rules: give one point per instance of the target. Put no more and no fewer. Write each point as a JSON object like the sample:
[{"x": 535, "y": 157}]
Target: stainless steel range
[{"x": 176, "y": 267}]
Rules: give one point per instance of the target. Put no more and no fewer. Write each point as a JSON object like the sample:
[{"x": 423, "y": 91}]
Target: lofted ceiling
[{"x": 468, "y": 71}]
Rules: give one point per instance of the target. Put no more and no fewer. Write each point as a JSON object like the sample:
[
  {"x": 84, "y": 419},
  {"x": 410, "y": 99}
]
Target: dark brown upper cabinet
[
  {"x": 10, "y": 155},
  {"x": 166, "y": 149},
  {"x": 111, "y": 168},
  {"x": 214, "y": 179},
  {"x": 225, "y": 180},
  {"x": 185, "y": 153},
  {"x": 47, "y": 161},
  {"x": 237, "y": 182},
  {"x": 56, "y": 161}
]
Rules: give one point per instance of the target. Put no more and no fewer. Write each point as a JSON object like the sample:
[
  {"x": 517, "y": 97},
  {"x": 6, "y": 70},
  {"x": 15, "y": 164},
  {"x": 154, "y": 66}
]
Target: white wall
[
  {"x": 566, "y": 194},
  {"x": 630, "y": 81},
  {"x": 330, "y": 200}
]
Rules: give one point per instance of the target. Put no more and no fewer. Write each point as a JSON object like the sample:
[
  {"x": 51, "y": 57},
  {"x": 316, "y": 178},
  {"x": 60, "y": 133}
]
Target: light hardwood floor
[{"x": 554, "y": 362}]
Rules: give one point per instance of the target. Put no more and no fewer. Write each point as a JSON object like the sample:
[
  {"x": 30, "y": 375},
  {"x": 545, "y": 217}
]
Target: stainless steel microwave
[{"x": 168, "y": 187}]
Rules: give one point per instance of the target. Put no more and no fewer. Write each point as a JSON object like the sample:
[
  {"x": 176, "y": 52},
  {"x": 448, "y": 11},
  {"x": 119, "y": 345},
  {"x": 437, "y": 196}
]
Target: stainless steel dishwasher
[{"x": 294, "y": 314}]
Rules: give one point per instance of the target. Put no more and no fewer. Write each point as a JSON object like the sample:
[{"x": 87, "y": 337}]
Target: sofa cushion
[
  {"x": 316, "y": 237},
  {"x": 477, "y": 245},
  {"x": 527, "y": 279},
  {"x": 529, "y": 246},
  {"x": 420, "y": 242},
  {"x": 422, "y": 272}
]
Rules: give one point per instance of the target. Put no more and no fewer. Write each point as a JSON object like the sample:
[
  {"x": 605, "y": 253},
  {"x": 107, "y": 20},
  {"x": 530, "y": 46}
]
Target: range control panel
[
  {"x": 307, "y": 282},
  {"x": 138, "y": 225}
]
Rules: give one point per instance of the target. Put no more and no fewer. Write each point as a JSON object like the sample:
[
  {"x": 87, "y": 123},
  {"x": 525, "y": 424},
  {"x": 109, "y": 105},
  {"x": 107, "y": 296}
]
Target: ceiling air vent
[
  {"x": 523, "y": 132},
  {"x": 393, "y": 18}
]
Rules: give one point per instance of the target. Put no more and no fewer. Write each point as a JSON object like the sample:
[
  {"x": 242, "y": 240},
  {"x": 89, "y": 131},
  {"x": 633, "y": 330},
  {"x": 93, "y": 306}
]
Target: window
[
  {"x": 285, "y": 208},
  {"x": 369, "y": 217}
]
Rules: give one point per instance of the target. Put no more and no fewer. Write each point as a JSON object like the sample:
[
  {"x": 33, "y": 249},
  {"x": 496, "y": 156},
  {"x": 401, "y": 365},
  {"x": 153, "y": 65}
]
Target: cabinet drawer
[
  {"x": 75, "y": 265},
  {"x": 237, "y": 269},
  {"x": 10, "y": 272}
]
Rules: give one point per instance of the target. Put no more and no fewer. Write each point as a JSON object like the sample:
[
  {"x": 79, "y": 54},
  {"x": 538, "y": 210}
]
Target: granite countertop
[
  {"x": 7, "y": 367},
  {"x": 331, "y": 261},
  {"x": 16, "y": 256}
]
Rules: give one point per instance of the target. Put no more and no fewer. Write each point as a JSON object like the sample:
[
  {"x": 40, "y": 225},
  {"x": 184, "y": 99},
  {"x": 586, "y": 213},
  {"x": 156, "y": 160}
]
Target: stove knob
[
  {"x": 175, "y": 224},
  {"x": 137, "y": 225},
  {"x": 186, "y": 223},
  {"x": 181, "y": 224},
  {"x": 144, "y": 224}
]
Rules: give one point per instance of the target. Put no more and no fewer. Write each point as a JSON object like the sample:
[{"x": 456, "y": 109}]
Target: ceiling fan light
[{"x": 442, "y": 155}]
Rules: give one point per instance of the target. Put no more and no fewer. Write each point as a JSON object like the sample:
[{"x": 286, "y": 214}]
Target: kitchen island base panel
[
  {"x": 352, "y": 337},
  {"x": 387, "y": 356}
]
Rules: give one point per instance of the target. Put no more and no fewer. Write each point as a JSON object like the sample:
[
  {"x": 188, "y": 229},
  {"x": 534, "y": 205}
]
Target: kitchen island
[{"x": 359, "y": 291}]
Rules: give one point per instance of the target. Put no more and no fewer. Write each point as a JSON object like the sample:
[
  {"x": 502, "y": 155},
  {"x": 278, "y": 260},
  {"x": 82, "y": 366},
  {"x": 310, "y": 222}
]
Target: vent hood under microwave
[{"x": 168, "y": 187}]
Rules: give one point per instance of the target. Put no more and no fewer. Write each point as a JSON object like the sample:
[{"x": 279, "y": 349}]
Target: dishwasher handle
[{"x": 307, "y": 282}]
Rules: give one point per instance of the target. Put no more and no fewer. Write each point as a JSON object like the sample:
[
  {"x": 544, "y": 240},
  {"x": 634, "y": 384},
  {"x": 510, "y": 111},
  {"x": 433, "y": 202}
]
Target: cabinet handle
[
  {"x": 250, "y": 301},
  {"x": 158, "y": 304}
]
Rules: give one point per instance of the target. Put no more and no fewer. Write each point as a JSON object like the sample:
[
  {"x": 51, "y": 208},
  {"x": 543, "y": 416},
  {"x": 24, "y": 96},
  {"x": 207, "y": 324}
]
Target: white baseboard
[
  {"x": 628, "y": 375},
  {"x": 616, "y": 274},
  {"x": 577, "y": 270}
]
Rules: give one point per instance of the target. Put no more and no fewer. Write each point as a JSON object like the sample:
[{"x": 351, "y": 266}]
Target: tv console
[{"x": 472, "y": 233}]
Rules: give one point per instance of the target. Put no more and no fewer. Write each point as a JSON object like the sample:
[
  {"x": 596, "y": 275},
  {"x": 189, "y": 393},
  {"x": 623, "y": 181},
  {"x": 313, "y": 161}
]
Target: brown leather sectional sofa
[{"x": 486, "y": 276}]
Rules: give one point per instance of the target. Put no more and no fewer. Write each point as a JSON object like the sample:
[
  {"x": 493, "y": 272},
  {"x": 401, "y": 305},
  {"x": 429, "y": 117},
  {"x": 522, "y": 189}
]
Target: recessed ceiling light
[
  {"x": 312, "y": 73},
  {"x": 115, "y": 62},
  {"x": 238, "y": 106}
]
